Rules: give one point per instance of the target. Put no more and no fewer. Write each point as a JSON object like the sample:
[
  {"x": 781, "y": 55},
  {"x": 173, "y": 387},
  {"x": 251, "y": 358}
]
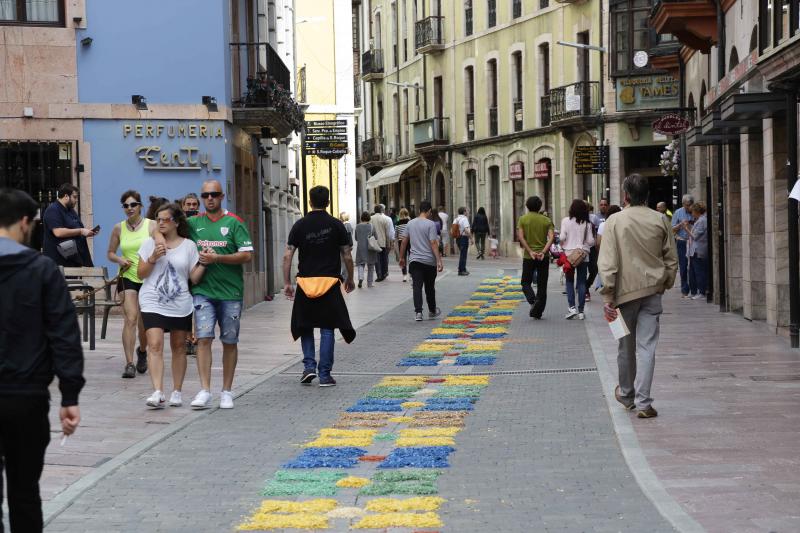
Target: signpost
[
  {"x": 326, "y": 139},
  {"x": 591, "y": 159}
]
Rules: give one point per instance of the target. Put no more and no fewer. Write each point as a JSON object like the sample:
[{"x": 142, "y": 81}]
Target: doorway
[
  {"x": 645, "y": 161},
  {"x": 494, "y": 201}
]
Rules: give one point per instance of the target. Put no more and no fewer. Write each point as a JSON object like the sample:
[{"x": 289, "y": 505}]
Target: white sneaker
[
  {"x": 580, "y": 316},
  {"x": 202, "y": 400},
  {"x": 697, "y": 297},
  {"x": 418, "y": 317},
  {"x": 156, "y": 400},
  {"x": 226, "y": 400},
  {"x": 571, "y": 313},
  {"x": 175, "y": 399},
  {"x": 405, "y": 278}
]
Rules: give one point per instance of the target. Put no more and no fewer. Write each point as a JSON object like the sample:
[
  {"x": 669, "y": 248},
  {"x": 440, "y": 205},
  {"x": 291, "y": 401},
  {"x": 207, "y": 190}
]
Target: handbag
[
  {"x": 455, "y": 230},
  {"x": 372, "y": 244},
  {"x": 576, "y": 256},
  {"x": 68, "y": 249}
]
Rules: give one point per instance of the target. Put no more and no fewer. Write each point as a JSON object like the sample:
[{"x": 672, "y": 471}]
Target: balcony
[
  {"x": 493, "y": 125},
  {"x": 518, "y": 115},
  {"x": 429, "y": 35},
  {"x": 692, "y": 22},
  {"x": 431, "y": 134},
  {"x": 372, "y": 153},
  {"x": 471, "y": 126},
  {"x": 544, "y": 109},
  {"x": 372, "y": 65},
  {"x": 261, "y": 89},
  {"x": 576, "y": 103}
]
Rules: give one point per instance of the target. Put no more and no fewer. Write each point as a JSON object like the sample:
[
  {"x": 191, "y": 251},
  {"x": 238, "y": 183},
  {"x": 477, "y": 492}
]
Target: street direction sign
[
  {"x": 591, "y": 159},
  {"x": 326, "y": 138}
]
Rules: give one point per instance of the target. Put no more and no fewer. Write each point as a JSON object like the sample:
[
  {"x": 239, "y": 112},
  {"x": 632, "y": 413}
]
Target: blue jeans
[
  {"x": 683, "y": 266},
  {"x": 325, "y": 352},
  {"x": 577, "y": 277},
  {"x": 463, "y": 246},
  {"x": 208, "y": 313},
  {"x": 698, "y": 274}
]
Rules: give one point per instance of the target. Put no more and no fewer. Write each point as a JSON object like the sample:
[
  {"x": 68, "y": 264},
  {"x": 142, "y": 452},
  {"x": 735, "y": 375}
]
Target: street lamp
[
  {"x": 407, "y": 85},
  {"x": 583, "y": 46}
]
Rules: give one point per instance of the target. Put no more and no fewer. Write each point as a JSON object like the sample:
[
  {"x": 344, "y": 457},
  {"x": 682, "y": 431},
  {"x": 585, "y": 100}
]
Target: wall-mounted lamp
[
  {"x": 139, "y": 101},
  {"x": 86, "y": 41},
  {"x": 211, "y": 103},
  {"x": 77, "y": 20}
]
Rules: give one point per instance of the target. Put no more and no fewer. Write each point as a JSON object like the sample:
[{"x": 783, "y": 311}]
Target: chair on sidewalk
[{"x": 93, "y": 282}]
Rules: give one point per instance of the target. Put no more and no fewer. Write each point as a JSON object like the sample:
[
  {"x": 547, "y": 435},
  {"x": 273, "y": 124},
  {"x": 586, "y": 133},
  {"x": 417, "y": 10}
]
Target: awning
[
  {"x": 390, "y": 174},
  {"x": 744, "y": 106}
]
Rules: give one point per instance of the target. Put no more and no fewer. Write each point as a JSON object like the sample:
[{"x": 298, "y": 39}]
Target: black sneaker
[
  {"x": 327, "y": 382},
  {"x": 434, "y": 314},
  {"x": 360, "y": 283},
  {"x": 308, "y": 377},
  {"x": 141, "y": 360},
  {"x": 130, "y": 371}
]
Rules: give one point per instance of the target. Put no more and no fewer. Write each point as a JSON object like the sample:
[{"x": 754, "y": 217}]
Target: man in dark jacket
[
  {"x": 39, "y": 337},
  {"x": 65, "y": 237}
]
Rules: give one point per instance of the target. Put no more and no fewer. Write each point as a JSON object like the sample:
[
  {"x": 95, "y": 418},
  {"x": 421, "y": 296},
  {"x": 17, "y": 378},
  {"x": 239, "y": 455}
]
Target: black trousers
[
  {"x": 24, "y": 435},
  {"x": 537, "y": 299},
  {"x": 423, "y": 275},
  {"x": 382, "y": 266},
  {"x": 594, "y": 253}
]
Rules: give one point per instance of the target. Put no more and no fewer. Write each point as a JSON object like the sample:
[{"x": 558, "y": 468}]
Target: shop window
[
  {"x": 32, "y": 12},
  {"x": 630, "y": 33}
]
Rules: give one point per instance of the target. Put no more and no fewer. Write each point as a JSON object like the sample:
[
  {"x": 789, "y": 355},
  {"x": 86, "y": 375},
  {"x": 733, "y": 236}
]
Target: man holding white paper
[{"x": 638, "y": 262}]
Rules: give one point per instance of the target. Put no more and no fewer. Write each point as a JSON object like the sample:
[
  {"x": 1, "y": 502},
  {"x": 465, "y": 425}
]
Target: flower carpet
[{"x": 377, "y": 465}]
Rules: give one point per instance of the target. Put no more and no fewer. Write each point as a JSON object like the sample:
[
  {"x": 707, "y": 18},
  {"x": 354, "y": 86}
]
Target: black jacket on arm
[{"x": 39, "y": 334}]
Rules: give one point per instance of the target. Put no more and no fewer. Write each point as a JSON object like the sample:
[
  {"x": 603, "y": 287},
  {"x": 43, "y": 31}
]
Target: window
[
  {"x": 492, "y": 9},
  {"x": 406, "y": 129},
  {"x": 398, "y": 142},
  {"x": 404, "y": 26},
  {"x": 469, "y": 96},
  {"x": 544, "y": 4},
  {"x": 414, "y": 21},
  {"x": 516, "y": 88},
  {"x": 778, "y": 20},
  {"x": 472, "y": 191},
  {"x": 630, "y": 33},
  {"x": 516, "y": 8},
  {"x": 394, "y": 36},
  {"x": 491, "y": 77},
  {"x": 33, "y": 12},
  {"x": 467, "y": 17}
]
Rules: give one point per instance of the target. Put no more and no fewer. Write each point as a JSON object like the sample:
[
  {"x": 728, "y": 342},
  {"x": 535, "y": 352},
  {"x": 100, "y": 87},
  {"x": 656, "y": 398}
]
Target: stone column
[
  {"x": 733, "y": 229},
  {"x": 753, "y": 276},
  {"x": 776, "y": 238}
]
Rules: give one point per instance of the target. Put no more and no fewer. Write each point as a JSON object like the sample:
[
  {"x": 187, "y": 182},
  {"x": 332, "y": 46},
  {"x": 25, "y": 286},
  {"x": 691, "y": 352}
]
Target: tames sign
[
  {"x": 671, "y": 124},
  {"x": 516, "y": 170}
]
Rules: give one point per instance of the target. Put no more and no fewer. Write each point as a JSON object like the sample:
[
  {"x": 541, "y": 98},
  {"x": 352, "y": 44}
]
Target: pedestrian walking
[
  {"x": 365, "y": 258},
  {"x": 40, "y": 340},
  {"x": 165, "y": 300},
  {"x": 225, "y": 246},
  {"x": 697, "y": 251},
  {"x": 576, "y": 239},
  {"x": 64, "y": 235},
  {"x": 445, "y": 233},
  {"x": 595, "y": 221},
  {"x": 400, "y": 231},
  {"x": 536, "y": 234},
  {"x": 382, "y": 226},
  {"x": 422, "y": 244},
  {"x": 322, "y": 245},
  {"x": 344, "y": 216},
  {"x": 681, "y": 215},
  {"x": 190, "y": 205},
  {"x": 480, "y": 228},
  {"x": 612, "y": 209},
  {"x": 662, "y": 208},
  {"x": 128, "y": 236},
  {"x": 460, "y": 231},
  {"x": 494, "y": 245},
  {"x": 638, "y": 262}
]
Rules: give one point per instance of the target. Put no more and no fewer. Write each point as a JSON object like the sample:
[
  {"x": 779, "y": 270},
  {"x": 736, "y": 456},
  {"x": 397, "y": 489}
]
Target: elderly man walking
[
  {"x": 384, "y": 233},
  {"x": 682, "y": 215},
  {"x": 637, "y": 263}
]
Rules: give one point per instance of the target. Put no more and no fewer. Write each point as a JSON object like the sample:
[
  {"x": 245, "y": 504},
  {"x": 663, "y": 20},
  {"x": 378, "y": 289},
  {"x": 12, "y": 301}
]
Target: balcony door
[
  {"x": 438, "y": 97},
  {"x": 583, "y": 72}
]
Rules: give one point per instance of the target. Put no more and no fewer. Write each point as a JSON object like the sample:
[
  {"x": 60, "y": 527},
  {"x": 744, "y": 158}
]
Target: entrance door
[
  {"x": 441, "y": 193},
  {"x": 494, "y": 201}
]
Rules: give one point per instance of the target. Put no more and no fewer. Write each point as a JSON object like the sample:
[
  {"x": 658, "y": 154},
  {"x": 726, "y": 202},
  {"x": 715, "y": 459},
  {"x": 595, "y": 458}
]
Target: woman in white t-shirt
[{"x": 165, "y": 300}]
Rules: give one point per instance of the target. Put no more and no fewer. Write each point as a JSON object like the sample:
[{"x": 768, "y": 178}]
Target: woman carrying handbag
[
  {"x": 366, "y": 250},
  {"x": 576, "y": 240}
]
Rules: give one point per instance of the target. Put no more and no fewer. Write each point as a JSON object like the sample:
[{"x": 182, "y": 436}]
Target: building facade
[{"x": 95, "y": 101}]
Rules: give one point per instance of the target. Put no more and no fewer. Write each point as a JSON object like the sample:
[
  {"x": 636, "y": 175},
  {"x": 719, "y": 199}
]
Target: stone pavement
[{"x": 544, "y": 450}]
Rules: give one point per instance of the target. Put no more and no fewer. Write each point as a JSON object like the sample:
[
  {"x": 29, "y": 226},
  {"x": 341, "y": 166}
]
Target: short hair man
[
  {"x": 190, "y": 204},
  {"x": 681, "y": 215},
  {"x": 225, "y": 245},
  {"x": 637, "y": 264},
  {"x": 323, "y": 244},
  {"x": 64, "y": 234},
  {"x": 38, "y": 341},
  {"x": 661, "y": 207},
  {"x": 462, "y": 239},
  {"x": 384, "y": 233},
  {"x": 445, "y": 230},
  {"x": 536, "y": 234},
  {"x": 424, "y": 261},
  {"x": 602, "y": 207}
]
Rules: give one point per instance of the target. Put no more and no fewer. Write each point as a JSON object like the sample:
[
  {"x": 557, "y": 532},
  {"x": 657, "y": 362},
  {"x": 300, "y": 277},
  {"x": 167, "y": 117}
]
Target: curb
[{"x": 631, "y": 450}]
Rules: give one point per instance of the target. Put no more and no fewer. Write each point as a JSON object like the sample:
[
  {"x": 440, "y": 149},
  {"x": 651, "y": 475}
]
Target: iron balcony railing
[
  {"x": 493, "y": 127},
  {"x": 434, "y": 130},
  {"x": 517, "y": 115},
  {"x": 429, "y": 32},
  {"x": 575, "y": 100},
  {"x": 471, "y": 126},
  {"x": 545, "y": 111},
  {"x": 372, "y": 62},
  {"x": 260, "y": 77},
  {"x": 372, "y": 150}
]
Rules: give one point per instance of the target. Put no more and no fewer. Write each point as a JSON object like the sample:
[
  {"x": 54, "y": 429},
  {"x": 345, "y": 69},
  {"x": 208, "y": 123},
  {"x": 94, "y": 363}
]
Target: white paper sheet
[
  {"x": 618, "y": 327},
  {"x": 795, "y": 194}
]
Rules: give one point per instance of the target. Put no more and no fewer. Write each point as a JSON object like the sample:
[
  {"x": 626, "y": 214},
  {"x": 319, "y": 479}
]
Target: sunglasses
[
  {"x": 131, "y": 205},
  {"x": 165, "y": 220},
  {"x": 214, "y": 194}
]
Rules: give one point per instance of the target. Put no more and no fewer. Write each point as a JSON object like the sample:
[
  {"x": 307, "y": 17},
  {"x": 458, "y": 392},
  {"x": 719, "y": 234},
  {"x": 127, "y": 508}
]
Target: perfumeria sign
[{"x": 176, "y": 145}]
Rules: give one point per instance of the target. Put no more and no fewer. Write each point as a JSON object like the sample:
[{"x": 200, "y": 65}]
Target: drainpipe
[
  {"x": 683, "y": 184},
  {"x": 721, "y": 279},
  {"x": 794, "y": 245}
]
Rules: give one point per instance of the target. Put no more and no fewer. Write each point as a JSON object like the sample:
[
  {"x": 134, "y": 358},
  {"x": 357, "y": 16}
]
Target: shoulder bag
[
  {"x": 576, "y": 256},
  {"x": 372, "y": 243}
]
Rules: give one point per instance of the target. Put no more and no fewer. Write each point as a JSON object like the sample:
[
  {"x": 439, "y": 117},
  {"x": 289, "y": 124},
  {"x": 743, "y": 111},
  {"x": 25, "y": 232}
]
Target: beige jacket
[
  {"x": 381, "y": 229},
  {"x": 637, "y": 255}
]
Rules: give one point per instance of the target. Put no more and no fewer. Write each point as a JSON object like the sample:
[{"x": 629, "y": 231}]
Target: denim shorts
[{"x": 208, "y": 313}]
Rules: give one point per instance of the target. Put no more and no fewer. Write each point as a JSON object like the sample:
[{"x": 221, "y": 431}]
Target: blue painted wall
[
  {"x": 170, "y": 51},
  {"x": 116, "y": 167}
]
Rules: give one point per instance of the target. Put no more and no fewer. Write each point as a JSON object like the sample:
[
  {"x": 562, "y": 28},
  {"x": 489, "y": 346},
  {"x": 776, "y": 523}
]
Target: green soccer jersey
[{"x": 226, "y": 235}]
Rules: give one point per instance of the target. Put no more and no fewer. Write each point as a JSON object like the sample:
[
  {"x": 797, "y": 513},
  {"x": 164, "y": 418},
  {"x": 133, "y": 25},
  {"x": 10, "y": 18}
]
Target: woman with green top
[{"x": 128, "y": 236}]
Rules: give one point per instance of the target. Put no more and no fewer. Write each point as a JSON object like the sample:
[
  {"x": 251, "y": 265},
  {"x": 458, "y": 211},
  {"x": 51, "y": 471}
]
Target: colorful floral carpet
[{"x": 377, "y": 466}]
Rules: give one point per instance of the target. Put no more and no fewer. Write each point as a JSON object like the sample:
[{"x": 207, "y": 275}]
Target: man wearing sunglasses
[{"x": 224, "y": 244}]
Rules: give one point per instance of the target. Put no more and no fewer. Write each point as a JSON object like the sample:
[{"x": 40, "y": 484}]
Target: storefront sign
[
  {"x": 326, "y": 138},
  {"x": 671, "y": 124},
  {"x": 591, "y": 159},
  {"x": 516, "y": 170},
  {"x": 182, "y": 157},
  {"x": 732, "y": 78},
  {"x": 541, "y": 170},
  {"x": 647, "y": 92}
]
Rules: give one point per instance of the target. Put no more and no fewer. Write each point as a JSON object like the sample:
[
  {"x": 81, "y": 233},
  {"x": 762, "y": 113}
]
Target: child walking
[{"x": 493, "y": 244}]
